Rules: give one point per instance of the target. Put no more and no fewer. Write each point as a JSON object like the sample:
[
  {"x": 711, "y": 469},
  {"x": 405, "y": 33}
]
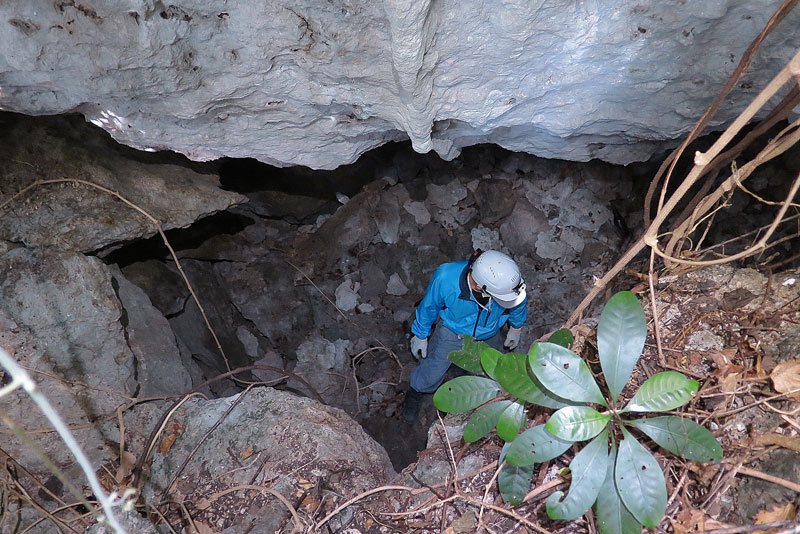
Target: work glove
[
  {"x": 512, "y": 338},
  {"x": 419, "y": 348}
]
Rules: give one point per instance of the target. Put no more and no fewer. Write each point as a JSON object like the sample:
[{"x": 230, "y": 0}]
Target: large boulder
[
  {"x": 307, "y": 82},
  {"x": 307, "y": 452}
]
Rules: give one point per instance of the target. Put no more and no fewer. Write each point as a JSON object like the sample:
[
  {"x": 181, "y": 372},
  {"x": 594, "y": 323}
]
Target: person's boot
[{"x": 411, "y": 406}]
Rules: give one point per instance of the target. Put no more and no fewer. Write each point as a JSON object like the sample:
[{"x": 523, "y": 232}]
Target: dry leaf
[
  {"x": 203, "y": 504},
  {"x": 247, "y": 453},
  {"x": 693, "y": 520},
  {"x": 202, "y": 528},
  {"x": 787, "y": 442},
  {"x": 778, "y": 513},
  {"x": 730, "y": 383},
  {"x": 166, "y": 444},
  {"x": 786, "y": 377}
]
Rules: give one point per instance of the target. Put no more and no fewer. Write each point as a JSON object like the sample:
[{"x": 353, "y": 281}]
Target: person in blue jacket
[{"x": 474, "y": 297}]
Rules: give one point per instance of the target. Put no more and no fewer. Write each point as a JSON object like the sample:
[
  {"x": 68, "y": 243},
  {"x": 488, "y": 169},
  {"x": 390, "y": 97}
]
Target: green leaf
[
  {"x": 621, "y": 333},
  {"x": 663, "y": 392},
  {"x": 563, "y": 372},
  {"x": 542, "y": 397},
  {"x": 489, "y": 357},
  {"x": 612, "y": 516},
  {"x": 680, "y": 436},
  {"x": 510, "y": 422},
  {"x": 536, "y": 445},
  {"x": 469, "y": 358},
  {"x": 484, "y": 420},
  {"x": 640, "y": 482},
  {"x": 588, "y": 473},
  {"x": 562, "y": 337},
  {"x": 514, "y": 482},
  {"x": 464, "y": 393},
  {"x": 512, "y": 373},
  {"x": 577, "y": 423}
]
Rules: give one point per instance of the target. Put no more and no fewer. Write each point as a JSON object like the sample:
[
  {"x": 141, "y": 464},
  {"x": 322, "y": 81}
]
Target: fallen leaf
[
  {"x": 166, "y": 444},
  {"x": 777, "y": 513},
  {"x": 203, "y": 504},
  {"x": 787, "y": 442},
  {"x": 693, "y": 520},
  {"x": 247, "y": 453},
  {"x": 202, "y": 528},
  {"x": 786, "y": 377},
  {"x": 730, "y": 383}
]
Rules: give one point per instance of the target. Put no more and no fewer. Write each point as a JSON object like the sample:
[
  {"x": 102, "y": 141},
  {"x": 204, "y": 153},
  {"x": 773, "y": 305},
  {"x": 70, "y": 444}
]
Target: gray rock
[
  {"x": 521, "y": 230},
  {"x": 418, "y": 210},
  {"x": 159, "y": 369},
  {"x": 396, "y": 285},
  {"x": 161, "y": 281},
  {"x": 277, "y": 437},
  {"x": 60, "y": 318},
  {"x": 495, "y": 200},
  {"x": 485, "y": 238},
  {"x": 303, "y": 82},
  {"x": 387, "y": 218},
  {"x": 347, "y": 295},
  {"x": 78, "y": 217},
  {"x": 325, "y": 365},
  {"x": 130, "y": 521},
  {"x": 446, "y": 196}
]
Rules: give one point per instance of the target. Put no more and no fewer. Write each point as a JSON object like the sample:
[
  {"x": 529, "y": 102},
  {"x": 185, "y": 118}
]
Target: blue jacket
[{"x": 449, "y": 297}]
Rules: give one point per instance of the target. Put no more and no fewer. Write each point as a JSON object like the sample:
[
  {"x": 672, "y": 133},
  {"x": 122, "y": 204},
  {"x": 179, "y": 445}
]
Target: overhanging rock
[{"x": 319, "y": 83}]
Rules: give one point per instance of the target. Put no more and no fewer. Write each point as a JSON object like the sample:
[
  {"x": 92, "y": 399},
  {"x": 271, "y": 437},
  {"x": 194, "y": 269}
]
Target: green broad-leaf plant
[{"x": 614, "y": 472}]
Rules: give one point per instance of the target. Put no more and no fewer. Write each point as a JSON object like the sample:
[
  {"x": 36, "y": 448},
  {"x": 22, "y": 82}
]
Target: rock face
[
  {"x": 269, "y": 80},
  {"x": 71, "y": 216}
]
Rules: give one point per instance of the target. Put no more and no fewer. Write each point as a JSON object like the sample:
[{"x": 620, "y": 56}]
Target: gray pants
[{"x": 429, "y": 374}]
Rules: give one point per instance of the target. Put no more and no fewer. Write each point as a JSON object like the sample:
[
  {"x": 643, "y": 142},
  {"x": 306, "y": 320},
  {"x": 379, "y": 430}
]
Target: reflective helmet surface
[{"x": 499, "y": 276}]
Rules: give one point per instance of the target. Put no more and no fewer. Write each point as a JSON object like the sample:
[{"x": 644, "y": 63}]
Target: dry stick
[
  {"x": 757, "y": 247},
  {"x": 35, "y": 480},
  {"x": 775, "y": 148},
  {"x": 150, "y": 218},
  {"x": 488, "y": 487},
  {"x": 650, "y": 237},
  {"x": 748, "y": 528},
  {"x": 769, "y": 478},
  {"x": 203, "y": 439},
  {"x": 358, "y": 498},
  {"x": 656, "y": 326},
  {"x": 298, "y": 523},
  {"x": 544, "y": 488},
  {"x": 22, "y": 493},
  {"x": 779, "y": 113},
  {"x": 733, "y": 80}
]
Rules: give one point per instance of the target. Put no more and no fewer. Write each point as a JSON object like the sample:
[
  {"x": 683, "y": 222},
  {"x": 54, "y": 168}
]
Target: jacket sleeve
[
  {"x": 518, "y": 315},
  {"x": 430, "y": 306}
]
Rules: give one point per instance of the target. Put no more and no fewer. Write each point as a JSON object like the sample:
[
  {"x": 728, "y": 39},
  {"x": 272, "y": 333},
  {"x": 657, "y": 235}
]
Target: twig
[
  {"x": 488, "y": 487},
  {"x": 299, "y": 270},
  {"x": 770, "y": 478},
  {"x": 748, "y": 528},
  {"x": 20, "y": 378},
  {"x": 298, "y": 523},
  {"x": 358, "y": 498},
  {"x": 656, "y": 326}
]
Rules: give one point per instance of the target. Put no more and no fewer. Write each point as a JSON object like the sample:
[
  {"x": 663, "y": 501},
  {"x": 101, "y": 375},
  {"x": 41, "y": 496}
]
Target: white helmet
[{"x": 498, "y": 275}]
